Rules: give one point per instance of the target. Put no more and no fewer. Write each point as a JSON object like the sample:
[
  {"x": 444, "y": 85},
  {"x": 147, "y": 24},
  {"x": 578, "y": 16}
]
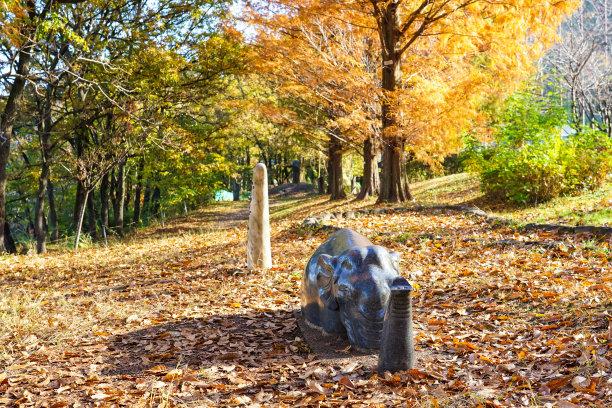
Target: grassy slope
[{"x": 590, "y": 208}]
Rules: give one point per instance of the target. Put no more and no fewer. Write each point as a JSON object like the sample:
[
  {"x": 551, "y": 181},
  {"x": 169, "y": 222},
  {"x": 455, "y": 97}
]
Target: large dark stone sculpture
[{"x": 347, "y": 285}]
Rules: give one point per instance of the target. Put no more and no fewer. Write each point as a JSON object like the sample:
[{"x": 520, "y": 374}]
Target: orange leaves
[{"x": 210, "y": 334}]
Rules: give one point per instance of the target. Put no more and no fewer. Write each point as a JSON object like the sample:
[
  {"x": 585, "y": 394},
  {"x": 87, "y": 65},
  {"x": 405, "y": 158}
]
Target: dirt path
[{"x": 173, "y": 318}]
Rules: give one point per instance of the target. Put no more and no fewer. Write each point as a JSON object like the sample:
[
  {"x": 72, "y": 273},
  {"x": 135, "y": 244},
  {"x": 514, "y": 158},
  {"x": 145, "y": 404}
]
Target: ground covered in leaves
[{"x": 173, "y": 318}]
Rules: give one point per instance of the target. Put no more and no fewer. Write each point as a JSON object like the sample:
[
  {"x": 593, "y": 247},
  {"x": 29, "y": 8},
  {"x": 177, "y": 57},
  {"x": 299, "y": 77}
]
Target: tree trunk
[
  {"x": 80, "y": 216},
  {"x": 104, "y": 202},
  {"x": 394, "y": 187},
  {"x": 9, "y": 243},
  {"x": 44, "y": 129},
  {"x": 91, "y": 217},
  {"x": 371, "y": 180},
  {"x": 39, "y": 215},
  {"x": 321, "y": 185},
  {"x": 129, "y": 193},
  {"x": 155, "y": 200},
  {"x": 394, "y": 184},
  {"x": 128, "y": 198},
  {"x": 7, "y": 120},
  {"x": 236, "y": 191},
  {"x": 296, "y": 168},
  {"x": 146, "y": 202},
  {"x": 78, "y": 202},
  {"x": 113, "y": 195},
  {"x": 138, "y": 193},
  {"x": 52, "y": 212},
  {"x": 120, "y": 198},
  {"x": 336, "y": 187}
]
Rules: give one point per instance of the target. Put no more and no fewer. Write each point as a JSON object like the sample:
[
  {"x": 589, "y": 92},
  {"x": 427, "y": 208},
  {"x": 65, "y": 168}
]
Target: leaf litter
[{"x": 175, "y": 319}]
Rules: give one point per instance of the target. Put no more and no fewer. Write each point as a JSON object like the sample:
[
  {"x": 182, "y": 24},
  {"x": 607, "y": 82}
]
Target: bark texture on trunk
[
  {"x": 44, "y": 129},
  {"x": 104, "y": 201},
  {"x": 156, "y": 200},
  {"x": 371, "y": 180},
  {"x": 146, "y": 202},
  {"x": 335, "y": 177},
  {"x": 79, "y": 216},
  {"x": 120, "y": 199},
  {"x": 236, "y": 190},
  {"x": 91, "y": 217},
  {"x": 138, "y": 193},
  {"x": 39, "y": 215},
  {"x": 78, "y": 202},
  {"x": 394, "y": 187},
  {"x": 394, "y": 183},
  {"x": 52, "y": 212},
  {"x": 7, "y": 121},
  {"x": 8, "y": 241}
]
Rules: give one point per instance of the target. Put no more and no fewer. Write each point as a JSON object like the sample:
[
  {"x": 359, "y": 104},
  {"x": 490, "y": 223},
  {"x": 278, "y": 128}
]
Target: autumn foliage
[{"x": 430, "y": 65}]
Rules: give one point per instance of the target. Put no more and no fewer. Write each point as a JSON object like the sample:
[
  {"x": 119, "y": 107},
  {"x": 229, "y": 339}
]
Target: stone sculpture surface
[
  {"x": 397, "y": 343},
  {"x": 347, "y": 285}
]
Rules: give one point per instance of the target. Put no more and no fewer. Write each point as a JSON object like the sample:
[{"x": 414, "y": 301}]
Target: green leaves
[{"x": 530, "y": 160}]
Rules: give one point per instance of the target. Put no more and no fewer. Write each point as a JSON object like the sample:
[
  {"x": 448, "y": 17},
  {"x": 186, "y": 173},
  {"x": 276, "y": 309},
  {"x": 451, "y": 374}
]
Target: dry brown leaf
[
  {"x": 315, "y": 386},
  {"x": 559, "y": 383},
  {"x": 345, "y": 381}
]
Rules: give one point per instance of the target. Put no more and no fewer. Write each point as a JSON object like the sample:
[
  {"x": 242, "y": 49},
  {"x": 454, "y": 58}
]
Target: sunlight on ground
[
  {"x": 589, "y": 208},
  {"x": 172, "y": 317}
]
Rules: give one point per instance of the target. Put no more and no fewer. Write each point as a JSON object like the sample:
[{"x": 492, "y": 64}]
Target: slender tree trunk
[
  {"x": 78, "y": 202},
  {"x": 7, "y": 120},
  {"x": 44, "y": 129},
  {"x": 120, "y": 199},
  {"x": 104, "y": 202},
  {"x": 52, "y": 212},
  {"x": 113, "y": 196},
  {"x": 394, "y": 186},
  {"x": 80, "y": 216},
  {"x": 336, "y": 187},
  {"x": 91, "y": 217},
  {"x": 156, "y": 200},
  {"x": 39, "y": 215},
  {"x": 138, "y": 193},
  {"x": 128, "y": 196},
  {"x": 371, "y": 180},
  {"x": 236, "y": 190},
  {"x": 146, "y": 203}
]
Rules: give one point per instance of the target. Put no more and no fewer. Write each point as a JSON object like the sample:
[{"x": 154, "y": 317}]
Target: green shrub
[
  {"x": 589, "y": 160},
  {"x": 530, "y": 162}
]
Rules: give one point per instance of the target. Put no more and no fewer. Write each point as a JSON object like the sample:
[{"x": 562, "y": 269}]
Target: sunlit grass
[
  {"x": 588, "y": 208},
  {"x": 453, "y": 189}
]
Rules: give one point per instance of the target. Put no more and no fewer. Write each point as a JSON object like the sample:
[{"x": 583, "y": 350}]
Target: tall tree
[
  {"x": 428, "y": 45},
  {"x": 329, "y": 70}
]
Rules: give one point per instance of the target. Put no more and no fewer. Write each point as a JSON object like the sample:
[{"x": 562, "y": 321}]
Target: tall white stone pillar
[{"x": 258, "y": 241}]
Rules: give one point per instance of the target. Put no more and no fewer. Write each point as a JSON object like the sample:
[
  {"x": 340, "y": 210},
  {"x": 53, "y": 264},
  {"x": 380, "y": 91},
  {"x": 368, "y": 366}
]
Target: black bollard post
[{"x": 397, "y": 343}]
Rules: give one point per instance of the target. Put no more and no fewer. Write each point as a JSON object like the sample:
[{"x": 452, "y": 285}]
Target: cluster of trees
[
  {"x": 112, "y": 110},
  {"x": 101, "y": 102},
  {"x": 402, "y": 78}
]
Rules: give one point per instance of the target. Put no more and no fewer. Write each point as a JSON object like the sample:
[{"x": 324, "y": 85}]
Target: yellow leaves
[{"x": 173, "y": 375}]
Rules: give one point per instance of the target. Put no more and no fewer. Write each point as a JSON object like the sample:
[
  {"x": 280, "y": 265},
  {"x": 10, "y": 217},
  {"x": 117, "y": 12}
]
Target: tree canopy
[{"x": 113, "y": 112}]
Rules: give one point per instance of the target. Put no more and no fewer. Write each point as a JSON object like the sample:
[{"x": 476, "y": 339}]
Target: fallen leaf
[{"x": 345, "y": 381}]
